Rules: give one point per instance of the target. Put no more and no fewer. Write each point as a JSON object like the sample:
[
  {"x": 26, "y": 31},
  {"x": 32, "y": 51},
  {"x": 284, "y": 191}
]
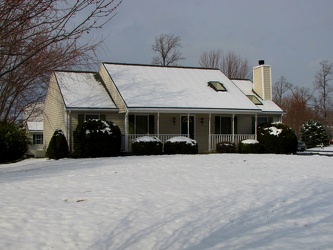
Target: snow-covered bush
[
  {"x": 313, "y": 133},
  {"x": 180, "y": 145},
  {"x": 226, "y": 147},
  {"x": 277, "y": 138},
  {"x": 58, "y": 146},
  {"x": 147, "y": 145},
  {"x": 97, "y": 138},
  {"x": 13, "y": 142},
  {"x": 250, "y": 146}
]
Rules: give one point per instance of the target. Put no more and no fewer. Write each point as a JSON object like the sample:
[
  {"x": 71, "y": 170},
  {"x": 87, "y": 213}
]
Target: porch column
[
  {"x": 126, "y": 131},
  {"x": 209, "y": 132},
  {"x": 255, "y": 126},
  {"x": 233, "y": 127}
]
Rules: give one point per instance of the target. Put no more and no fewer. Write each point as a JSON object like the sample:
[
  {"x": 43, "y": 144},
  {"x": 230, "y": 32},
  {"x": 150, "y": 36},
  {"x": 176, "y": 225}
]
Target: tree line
[{"x": 302, "y": 104}]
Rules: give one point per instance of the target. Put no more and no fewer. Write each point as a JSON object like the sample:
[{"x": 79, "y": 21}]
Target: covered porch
[{"x": 206, "y": 128}]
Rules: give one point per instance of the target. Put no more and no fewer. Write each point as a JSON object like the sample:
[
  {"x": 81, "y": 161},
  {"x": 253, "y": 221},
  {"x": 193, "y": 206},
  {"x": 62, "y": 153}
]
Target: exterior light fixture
[
  {"x": 202, "y": 120},
  {"x": 174, "y": 120}
]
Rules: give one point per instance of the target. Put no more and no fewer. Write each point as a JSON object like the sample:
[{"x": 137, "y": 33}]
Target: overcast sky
[{"x": 292, "y": 36}]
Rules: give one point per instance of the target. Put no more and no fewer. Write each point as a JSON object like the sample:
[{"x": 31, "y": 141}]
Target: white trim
[
  {"x": 209, "y": 131},
  {"x": 126, "y": 131},
  {"x": 233, "y": 127}
]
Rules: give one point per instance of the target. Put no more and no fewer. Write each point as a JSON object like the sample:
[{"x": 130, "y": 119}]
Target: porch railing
[
  {"x": 214, "y": 139},
  {"x": 162, "y": 137},
  {"x": 236, "y": 138}
]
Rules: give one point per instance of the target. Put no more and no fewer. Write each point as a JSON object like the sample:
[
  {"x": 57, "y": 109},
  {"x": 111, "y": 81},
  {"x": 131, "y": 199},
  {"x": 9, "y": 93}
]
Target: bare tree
[
  {"x": 211, "y": 59},
  {"x": 232, "y": 65},
  {"x": 38, "y": 36},
  {"x": 166, "y": 46},
  {"x": 280, "y": 88},
  {"x": 324, "y": 87}
]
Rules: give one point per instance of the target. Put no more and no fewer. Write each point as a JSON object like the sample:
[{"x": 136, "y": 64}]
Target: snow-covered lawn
[{"x": 216, "y": 201}]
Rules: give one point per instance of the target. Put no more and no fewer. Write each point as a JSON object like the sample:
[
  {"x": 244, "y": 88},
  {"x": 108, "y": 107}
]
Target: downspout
[{"x": 126, "y": 131}]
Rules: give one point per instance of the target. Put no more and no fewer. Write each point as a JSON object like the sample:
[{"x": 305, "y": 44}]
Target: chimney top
[{"x": 261, "y": 62}]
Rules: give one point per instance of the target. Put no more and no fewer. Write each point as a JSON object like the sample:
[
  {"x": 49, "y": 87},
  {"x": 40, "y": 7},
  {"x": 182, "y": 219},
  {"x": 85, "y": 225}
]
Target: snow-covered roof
[
  {"x": 35, "y": 126},
  {"x": 246, "y": 86},
  {"x": 83, "y": 90},
  {"x": 146, "y": 86}
]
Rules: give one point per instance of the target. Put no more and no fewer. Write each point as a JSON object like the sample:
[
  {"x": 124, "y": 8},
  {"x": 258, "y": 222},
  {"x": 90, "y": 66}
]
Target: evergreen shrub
[
  {"x": 277, "y": 138},
  {"x": 180, "y": 145},
  {"x": 97, "y": 138},
  {"x": 250, "y": 147},
  {"x": 226, "y": 147},
  {"x": 58, "y": 146},
  {"x": 147, "y": 145},
  {"x": 313, "y": 133},
  {"x": 13, "y": 142}
]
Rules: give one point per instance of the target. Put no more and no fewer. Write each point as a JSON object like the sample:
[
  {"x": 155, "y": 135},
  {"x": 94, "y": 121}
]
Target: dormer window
[
  {"x": 254, "y": 99},
  {"x": 217, "y": 86}
]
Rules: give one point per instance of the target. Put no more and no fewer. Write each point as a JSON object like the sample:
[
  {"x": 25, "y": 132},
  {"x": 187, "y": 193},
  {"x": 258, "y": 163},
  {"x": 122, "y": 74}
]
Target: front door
[{"x": 187, "y": 127}]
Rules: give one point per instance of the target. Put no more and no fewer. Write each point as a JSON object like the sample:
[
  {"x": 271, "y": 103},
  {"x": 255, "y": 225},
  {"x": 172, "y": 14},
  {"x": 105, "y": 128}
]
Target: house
[
  {"x": 162, "y": 101},
  {"x": 35, "y": 135},
  {"x": 33, "y": 119}
]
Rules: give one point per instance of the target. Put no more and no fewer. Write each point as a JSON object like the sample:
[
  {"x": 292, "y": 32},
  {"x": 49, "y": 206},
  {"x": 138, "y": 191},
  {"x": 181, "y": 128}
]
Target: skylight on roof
[
  {"x": 217, "y": 86},
  {"x": 254, "y": 99}
]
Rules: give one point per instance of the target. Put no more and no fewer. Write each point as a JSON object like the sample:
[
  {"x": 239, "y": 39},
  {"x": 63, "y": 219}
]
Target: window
[
  {"x": 223, "y": 125},
  {"x": 262, "y": 120},
  {"x": 91, "y": 117},
  {"x": 217, "y": 86},
  {"x": 254, "y": 99},
  {"x": 37, "y": 139},
  {"x": 86, "y": 117},
  {"x": 141, "y": 124}
]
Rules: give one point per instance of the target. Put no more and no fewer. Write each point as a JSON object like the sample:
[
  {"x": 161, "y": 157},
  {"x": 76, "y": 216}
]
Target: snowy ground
[{"x": 225, "y": 201}]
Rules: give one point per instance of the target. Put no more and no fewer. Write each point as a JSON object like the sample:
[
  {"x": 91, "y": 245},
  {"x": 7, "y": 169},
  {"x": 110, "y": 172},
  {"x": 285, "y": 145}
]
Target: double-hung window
[
  {"x": 37, "y": 139},
  {"x": 86, "y": 117},
  {"x": 141, "y": 124},
  {"x": 223, "y": 125}
]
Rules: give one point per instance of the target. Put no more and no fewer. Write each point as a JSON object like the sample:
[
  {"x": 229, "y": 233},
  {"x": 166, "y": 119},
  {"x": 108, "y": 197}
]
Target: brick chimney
[{"x": 262, "y": 80}]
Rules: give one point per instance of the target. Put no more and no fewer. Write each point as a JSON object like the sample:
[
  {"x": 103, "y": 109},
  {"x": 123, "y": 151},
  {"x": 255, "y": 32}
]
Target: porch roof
[
  {"x": 158, "y": 87},
  {"x": 83, "y": 90},
  {"x": 35, "y": 126}
]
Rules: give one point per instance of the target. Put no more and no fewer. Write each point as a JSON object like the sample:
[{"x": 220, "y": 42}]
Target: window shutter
[
  {"x": 102, "y": 117},
  {"x": 253, "y": 125},
  {"x": 131, "y": 120},
  {"x": 80, "y": 118},
  {"x": 217, "y": 125},
  {"x": 151, "y": 124},
  {"x": 33, "y": 139}
]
